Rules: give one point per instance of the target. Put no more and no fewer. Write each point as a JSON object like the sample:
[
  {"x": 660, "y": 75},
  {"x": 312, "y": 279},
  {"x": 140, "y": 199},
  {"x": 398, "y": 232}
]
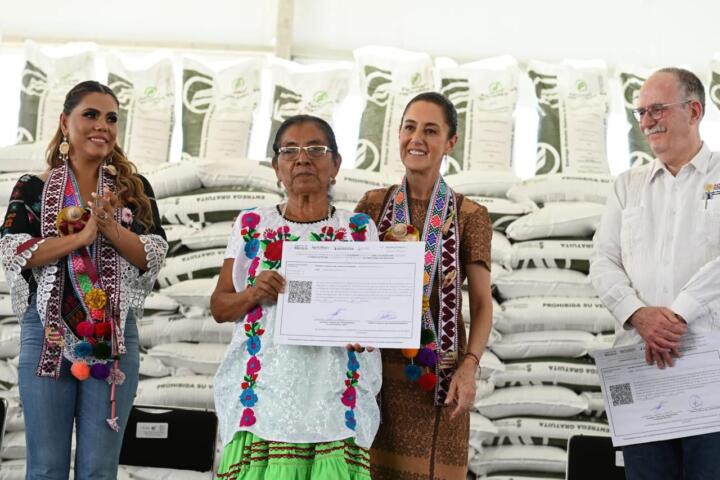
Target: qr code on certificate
[
  {"x": 299, "y": 291},
  {"x": 621, "y": 394}
]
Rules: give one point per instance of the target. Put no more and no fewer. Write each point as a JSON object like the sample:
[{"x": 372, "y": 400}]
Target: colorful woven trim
[
  {"x": 441, "y": 259},
  {"x": 253, "y": 330},
  {"x": 271, "y": 246},
  {"x": 94, "y": 274}
]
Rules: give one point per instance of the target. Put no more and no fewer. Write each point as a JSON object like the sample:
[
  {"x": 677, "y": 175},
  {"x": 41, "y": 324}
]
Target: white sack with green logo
[
  {"x": 191, "y": 294},
  {"x": 563, "y": 187},
  {"x": 631, "y": 79},
  {"x": 578, "y": 374},
  {"x": 45, "y": 82},
  {"x": 352, "y": 183},
  {"x": 546, "y": 282},
  {"x": 306, "y": 89},
  {"x": 389, "y": 78},
  {"x": 147, "y": 109},
  {"x": 537, "y": 314},
  {"x": 558, "y": 220},
  {"x": 546, "y": 431},
  {"x": 484, "y": 94},
  {"x": 209, "y": 205},
  {"x": 493, "y": 183},
  {"x": 192, "y": 391},
  {"x": 247, "y": 174},
  {"x": 572, "y": 254},
  {"x": 503, "y": 211},
  {"x": 23, "y": 157},
  {"x": 573, "y": 105},
  {"x": 554, "y": 343},
  {"x": 530, "y": 460},
  {"x": 170, "y": 179},
  {"x": 193, "y": 265},
  {"x": 218, "y": 107},
  {"x": 543, "y": 400}
]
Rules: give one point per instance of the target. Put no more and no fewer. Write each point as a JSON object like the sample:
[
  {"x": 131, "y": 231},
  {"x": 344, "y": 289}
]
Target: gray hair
[{"x": 689, "y": 82}]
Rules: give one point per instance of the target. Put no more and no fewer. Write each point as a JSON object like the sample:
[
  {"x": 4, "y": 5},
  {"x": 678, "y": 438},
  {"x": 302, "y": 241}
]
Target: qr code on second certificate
[
  {"x": 299, "y": 291},
  {"x": 621, "y": 394}
]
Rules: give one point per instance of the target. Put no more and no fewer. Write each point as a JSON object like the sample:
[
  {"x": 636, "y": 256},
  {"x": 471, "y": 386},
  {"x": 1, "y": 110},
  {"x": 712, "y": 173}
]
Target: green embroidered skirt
[{"x": 248, "y": 457}]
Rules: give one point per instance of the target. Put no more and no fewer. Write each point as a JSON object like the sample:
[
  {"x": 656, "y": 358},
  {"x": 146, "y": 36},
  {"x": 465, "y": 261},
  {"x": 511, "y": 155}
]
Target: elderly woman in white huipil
[{"x": 291, "y": 412}]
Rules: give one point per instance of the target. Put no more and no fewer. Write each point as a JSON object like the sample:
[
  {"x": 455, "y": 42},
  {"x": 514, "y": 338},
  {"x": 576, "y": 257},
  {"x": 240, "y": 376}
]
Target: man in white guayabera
[{"x": 656, "y": 265}]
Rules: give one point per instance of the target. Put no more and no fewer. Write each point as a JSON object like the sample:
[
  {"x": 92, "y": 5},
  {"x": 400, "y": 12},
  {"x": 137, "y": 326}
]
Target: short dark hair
[
  {"x": 441, "y": 101},
  {"x": 300, "y": 119},
  {"x": 689, "y": 82}
]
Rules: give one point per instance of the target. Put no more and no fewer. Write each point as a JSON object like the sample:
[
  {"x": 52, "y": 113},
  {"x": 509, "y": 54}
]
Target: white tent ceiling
[{"x": 651, "y": 32}]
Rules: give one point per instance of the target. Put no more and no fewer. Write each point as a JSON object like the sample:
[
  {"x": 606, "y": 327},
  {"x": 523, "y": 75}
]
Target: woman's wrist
[{"x": 472, "y": 358}]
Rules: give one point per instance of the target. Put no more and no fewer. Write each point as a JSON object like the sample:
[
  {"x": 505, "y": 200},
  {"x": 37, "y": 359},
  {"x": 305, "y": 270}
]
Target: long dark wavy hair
[{"x": 129, "y": 187}]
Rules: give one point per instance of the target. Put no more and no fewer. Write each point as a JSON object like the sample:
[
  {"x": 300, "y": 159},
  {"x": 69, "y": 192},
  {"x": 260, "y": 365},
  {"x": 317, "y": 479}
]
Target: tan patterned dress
[{"x": 417, "y": 440}]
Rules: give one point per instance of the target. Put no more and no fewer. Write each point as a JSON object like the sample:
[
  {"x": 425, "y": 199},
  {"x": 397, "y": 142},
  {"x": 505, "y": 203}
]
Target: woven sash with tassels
[{"x": 440, "y": 235}]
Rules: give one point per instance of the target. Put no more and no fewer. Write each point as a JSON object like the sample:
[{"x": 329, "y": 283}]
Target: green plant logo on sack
[
  {"x": 238, "y": 85},
  {"x": 318, "y": 101},
  {"x": 416, "y": 79},
  {"x": 496, "y": 88},
  {"x": 581, "y": 86},
  {"x": 150, "y": 92},
  {"x": 321, "y": 97},
  {"x": 151, "y": 95}
]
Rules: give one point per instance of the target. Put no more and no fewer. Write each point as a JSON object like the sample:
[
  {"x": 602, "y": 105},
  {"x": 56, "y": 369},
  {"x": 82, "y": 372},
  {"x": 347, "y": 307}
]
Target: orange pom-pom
[
  {"x": 427, "y": 381},
  {"x": 80, "y": 370},
  {"x": 409, "y": 353}
]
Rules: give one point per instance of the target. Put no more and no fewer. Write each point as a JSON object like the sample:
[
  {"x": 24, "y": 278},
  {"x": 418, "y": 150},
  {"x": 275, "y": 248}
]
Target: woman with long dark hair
[{"x": 81, "y": 247}]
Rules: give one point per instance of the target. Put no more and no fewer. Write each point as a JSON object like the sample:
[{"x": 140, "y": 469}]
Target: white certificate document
[
  {"x": 646, "y": 404},
  {"x": 351, "y": 292}
]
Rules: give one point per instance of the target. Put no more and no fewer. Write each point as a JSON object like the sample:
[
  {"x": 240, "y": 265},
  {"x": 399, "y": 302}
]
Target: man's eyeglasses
[
  {"x": 656, "y": 111},
  {"x": 312, "y": 151}
]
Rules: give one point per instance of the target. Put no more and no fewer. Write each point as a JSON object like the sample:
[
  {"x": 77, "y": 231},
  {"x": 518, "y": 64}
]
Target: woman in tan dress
[{"x": 427, "y": 393}]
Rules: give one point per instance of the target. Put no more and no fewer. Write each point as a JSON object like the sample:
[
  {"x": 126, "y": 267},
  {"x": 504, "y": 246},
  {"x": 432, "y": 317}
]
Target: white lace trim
[
  {"x": 138, "y": 286},
  {"x": 134, "y": 286},
  {"x": 13, "y": 264}
]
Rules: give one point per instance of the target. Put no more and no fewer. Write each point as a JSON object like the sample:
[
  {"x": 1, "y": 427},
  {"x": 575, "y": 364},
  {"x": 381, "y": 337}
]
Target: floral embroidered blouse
[
  {"x": 21, "y": 234},
  {"x": 291, "y": 393}
]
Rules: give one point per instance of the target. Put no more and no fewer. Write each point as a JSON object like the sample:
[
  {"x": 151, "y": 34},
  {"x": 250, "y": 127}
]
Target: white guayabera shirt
[{"x": 658, "y": 245}]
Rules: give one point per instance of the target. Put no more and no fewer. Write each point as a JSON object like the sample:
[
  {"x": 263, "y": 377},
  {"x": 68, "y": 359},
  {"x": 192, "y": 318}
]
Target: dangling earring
[
  {"x": 109, "y": 167},
  {"x": 64, "y": 149}
]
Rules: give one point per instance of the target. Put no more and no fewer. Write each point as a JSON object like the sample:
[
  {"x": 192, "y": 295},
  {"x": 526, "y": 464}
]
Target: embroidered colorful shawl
[
  {"x": 440, "y": 234},
  {"x": 105, "y": 258}
]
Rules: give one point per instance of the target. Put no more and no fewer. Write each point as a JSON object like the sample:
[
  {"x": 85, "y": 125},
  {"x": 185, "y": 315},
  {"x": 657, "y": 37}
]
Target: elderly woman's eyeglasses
[
  {"x": 656, "y": 111},
  {"x": 312, "y": 151}
]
